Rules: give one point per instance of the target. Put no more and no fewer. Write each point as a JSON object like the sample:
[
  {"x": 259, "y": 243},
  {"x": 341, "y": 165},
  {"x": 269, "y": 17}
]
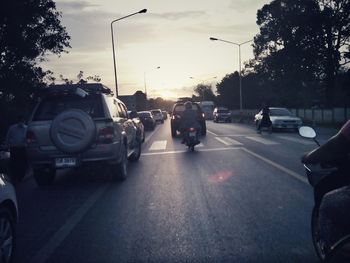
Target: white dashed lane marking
[
  {"x": 158, "y": 145},
  {"x": 228, "y": 141},
  {"x": 262, "y": 140},
  {"x": 297, "y": 140}
]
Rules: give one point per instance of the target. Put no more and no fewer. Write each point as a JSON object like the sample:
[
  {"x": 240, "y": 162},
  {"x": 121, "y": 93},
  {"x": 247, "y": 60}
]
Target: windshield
[{"x": 280, "y": 112}]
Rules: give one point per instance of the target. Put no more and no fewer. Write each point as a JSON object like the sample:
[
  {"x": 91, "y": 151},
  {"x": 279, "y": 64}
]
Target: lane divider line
[
  {"x": 278, "y": 166},
  {"x": 49, "y": 248},
  {"x": 212, "y": 133},
  {"x": 184, "y": 151},
  {"x": 151, "y": 134},
  {"x": 158, "y": 145}
]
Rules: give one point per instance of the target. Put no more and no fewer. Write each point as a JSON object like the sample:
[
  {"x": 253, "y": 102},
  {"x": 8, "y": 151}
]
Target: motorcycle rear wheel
[{"x": 315, "y": 233}]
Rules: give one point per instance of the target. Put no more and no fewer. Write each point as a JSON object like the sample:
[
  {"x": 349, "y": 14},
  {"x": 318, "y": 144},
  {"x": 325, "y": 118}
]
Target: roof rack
[{"x": 90, "y": 88}]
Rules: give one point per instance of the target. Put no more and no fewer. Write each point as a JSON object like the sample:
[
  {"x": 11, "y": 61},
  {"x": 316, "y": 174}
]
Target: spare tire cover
[{"x": 72, "y": 131}]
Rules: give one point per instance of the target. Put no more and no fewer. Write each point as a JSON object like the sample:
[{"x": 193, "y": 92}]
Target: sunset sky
[{"x": 172, "y": 35}]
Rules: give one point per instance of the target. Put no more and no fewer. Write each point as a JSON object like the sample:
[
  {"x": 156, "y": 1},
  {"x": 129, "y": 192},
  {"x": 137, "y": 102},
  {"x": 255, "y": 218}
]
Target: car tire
[
  {"x": 44, "y": 177},
  {"x": 135, "y": 156},
  {"x": 120, "y": 170},
  {"x": 7, "y": 234}
]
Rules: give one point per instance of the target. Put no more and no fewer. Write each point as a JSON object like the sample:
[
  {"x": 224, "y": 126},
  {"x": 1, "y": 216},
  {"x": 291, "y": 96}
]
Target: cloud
[
  {"x": 177, "y": 15},
  {"x": 73, "y": 6},
  {"x": 247, "y": 5}
]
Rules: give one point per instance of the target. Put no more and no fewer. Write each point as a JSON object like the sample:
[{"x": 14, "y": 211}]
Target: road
[{"x": 240, "y": 197}]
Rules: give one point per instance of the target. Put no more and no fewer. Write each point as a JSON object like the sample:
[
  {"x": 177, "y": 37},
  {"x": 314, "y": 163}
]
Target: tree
[
  {"x": 205, "y": 92},
  {"x": 302, "y": 41},
  {"x": 80, "y": 79},
  {"x": 29, "y": 30},
  {"x": 228, "y": 91}
]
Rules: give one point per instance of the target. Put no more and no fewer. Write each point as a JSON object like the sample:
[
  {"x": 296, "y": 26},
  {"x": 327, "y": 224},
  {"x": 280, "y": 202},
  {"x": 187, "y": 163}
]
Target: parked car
[
  {"x": 178, "y": 108},
  {"x": 158, "y": 115},
  {"x": 222, "y": 114},
  {"x": 134, "y": 116},
  {"x": 165, "y": 114},
  {"x": 147, "y": 119},
  {"x": 8, "y": 219},
  {"x": 77, "y": 124},
  {"x": 281, "y": 118}
]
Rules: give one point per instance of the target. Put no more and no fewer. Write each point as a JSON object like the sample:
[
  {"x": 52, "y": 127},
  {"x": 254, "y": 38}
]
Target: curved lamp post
[
  {"x": 240, "y": 77},
  {"x": 114, "y": 63}
]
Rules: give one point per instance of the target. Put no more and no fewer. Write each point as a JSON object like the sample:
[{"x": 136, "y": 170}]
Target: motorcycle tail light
[
  {"x": 192, "y": 129},
  {"x": 106, "y": 134},
  {"x": 31, "y": 138},
  {"x": 203, "y": 115}
]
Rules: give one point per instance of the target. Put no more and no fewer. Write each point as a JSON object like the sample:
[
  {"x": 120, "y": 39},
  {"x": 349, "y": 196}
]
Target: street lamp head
[
  {"x": 213, "y": 38},
  {"x": 143, "y": 11}
]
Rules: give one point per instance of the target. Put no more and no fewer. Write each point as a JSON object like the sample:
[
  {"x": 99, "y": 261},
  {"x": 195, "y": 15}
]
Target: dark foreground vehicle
[
  {"x": 324, "y": 179},
  {"x": 178, "y": 108},
  {"x": 74, "y": 125}
]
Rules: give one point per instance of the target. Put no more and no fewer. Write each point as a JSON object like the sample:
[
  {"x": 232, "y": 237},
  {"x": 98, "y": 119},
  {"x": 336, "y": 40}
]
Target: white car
[
  {"x": 281, "y": 118},
  {"x": 8, "y": 219},
  {"x": 158, "y": 115}
]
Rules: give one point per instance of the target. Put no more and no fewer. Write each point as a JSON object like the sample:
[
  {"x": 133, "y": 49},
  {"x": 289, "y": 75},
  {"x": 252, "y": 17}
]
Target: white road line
[
  {"x": 200, "y": 145},
  {"x": 158, "y": 145},
  {"x": 298, "y": 140},
  {"x": 278, "y": 166},
  {"x": 151, "y": 134},
  {"x": 49, "y": 248},
  {"x": 223, "y": 141},
  {"x": 228, "y": 141},
  {"x": 183, "y": 151},
  {"x": 212, "y": 133},
  {"x": 262, "y": 140}
]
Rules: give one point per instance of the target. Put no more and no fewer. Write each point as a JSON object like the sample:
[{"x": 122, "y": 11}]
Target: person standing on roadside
[{"x": 16, "y": 142}]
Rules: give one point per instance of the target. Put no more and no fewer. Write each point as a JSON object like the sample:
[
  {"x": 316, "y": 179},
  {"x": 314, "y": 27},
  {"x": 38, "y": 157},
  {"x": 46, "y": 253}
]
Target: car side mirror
[{"x": 307, "y": 132}]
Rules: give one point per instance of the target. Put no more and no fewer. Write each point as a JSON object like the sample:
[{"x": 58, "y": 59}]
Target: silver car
[
  {"x": 74, "y": 125},
  {"x": 8, "y": 219},
  {"x": 281, "y": 118}
]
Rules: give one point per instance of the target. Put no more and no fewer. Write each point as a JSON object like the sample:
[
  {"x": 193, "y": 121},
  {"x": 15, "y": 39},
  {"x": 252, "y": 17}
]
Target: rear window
[
  {"x": 156, "y": 112},
  {"x": 50, "y": 107},
  {"x": 144, "y": 114},
  {"x": 280, "y": 112},
  {"x": 223, "y": 111},
  {"x": 180, "y": 108}
]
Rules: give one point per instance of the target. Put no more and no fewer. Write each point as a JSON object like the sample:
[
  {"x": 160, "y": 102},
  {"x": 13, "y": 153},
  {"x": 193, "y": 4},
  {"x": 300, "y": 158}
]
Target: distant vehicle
[
  {"x": 165, "y": 114},
  {"x": 147, "y": 119},
  {"x": 221, "y": 114},
  {"x": 158, "y": 115},
  {"x": 281, "y": 118},
  {"x": 133, "y": 115},
  {"x": 178, "y": 108},
  {"x": 8, "y": 219},
  {"x": 208, "y": 108},
  {"x": 78, "y": 124}
]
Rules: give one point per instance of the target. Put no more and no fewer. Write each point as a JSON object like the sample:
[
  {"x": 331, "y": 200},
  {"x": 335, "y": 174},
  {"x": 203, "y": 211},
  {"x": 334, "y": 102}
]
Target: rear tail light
[
  {"x": 106, "y": 134},
  {"x": 31, "y": 138}
]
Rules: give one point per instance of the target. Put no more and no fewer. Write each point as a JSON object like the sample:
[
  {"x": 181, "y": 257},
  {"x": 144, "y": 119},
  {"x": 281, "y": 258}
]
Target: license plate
[
  {"x": 192, "y": 134},
  {"x": 65, "y": 162}
]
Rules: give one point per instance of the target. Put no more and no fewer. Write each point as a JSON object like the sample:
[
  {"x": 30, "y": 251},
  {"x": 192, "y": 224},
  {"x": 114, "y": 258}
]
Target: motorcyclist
[
  {"x": 188, "y": 120},
  {"x": 334, "y": 215},
  {"x": 265, "y": 121}
]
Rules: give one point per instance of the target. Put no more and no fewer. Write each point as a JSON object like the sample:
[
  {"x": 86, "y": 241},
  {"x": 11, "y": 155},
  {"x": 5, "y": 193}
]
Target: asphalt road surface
[{"x": 240, "y": 197}]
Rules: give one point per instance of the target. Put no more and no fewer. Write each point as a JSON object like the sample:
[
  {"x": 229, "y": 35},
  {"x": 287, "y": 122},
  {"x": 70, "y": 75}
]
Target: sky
[{"x": 172, "y": 35}]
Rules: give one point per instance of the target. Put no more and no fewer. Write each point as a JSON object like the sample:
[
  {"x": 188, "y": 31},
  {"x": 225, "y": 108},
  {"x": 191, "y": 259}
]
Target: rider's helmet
[{"x": 188, "y": 105}]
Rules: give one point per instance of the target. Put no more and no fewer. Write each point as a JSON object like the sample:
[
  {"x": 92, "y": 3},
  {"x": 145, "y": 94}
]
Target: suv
[
  {"x": 78, "y": 124},
  {"x": 158, "y": 115},
  {"x": 178, "y": 108},
  {"x": 221, "y": 114}
]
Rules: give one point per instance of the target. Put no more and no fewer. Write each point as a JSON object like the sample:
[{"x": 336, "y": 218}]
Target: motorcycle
[
  {"x": 324, "y": 179},
  {"x": 191, "y": 138}
]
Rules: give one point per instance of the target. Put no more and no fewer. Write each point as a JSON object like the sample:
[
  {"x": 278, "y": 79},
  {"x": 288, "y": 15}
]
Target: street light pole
[
  {"x": 240, "y": 74},
  {"x": 114, "y": 63}
]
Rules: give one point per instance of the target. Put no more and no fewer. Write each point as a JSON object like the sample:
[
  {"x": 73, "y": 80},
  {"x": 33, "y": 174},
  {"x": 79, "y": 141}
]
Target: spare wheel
[{"x": 72, "y": 131}]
